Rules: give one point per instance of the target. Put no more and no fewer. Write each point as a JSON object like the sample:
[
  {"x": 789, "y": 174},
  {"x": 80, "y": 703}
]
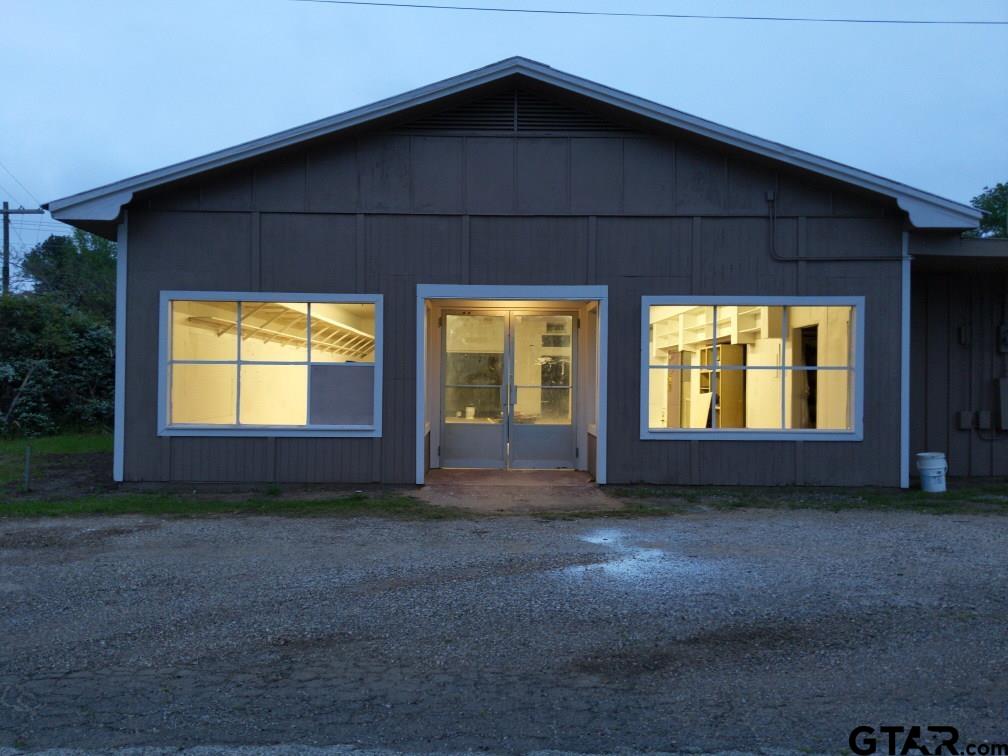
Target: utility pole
[{"x": 7, "y": 213}]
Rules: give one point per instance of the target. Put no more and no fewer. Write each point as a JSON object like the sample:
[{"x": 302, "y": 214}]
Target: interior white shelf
[{"x": 286, "y": 324}]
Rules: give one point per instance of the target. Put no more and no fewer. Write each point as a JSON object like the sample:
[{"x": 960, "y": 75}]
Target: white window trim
[
  {"x": 276, "y": 431},
  {"x": 736, "y": 434}
]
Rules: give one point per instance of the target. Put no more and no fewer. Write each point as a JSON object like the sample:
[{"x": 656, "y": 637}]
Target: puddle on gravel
[{"x": 632, "y": 562}]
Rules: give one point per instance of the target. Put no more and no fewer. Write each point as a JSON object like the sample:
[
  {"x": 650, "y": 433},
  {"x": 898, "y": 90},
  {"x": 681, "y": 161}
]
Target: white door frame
[{"x": 600, "y": 294}]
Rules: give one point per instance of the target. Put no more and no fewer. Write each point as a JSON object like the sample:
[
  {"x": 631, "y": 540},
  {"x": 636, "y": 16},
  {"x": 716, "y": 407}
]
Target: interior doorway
[
  {"x": 511, "y": 383},
  {"x": 507, "y": 389}
]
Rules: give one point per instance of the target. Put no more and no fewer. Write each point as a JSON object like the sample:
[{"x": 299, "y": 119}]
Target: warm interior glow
[
  {"x": 475, "y": 373},
  {"x": 274, "y": 394},
  {"x": 474, "y": 368},
  {"x": 274, "y": 331},
  {"x": 241, "y": 336},
  {"x": 204, "y": 331},
  {"x": 542, "y": 366},
  {"x": 769, "y": 379},
  {"x": 343, "y": 332},
  {"x": 204, "y": 394}
]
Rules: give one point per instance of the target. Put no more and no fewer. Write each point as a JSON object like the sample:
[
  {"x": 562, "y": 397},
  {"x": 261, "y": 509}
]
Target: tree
[
  {"x": 993, "y": 200},
  {"x": 56, "y": 366},
  {"x": 78, "y": 270}
]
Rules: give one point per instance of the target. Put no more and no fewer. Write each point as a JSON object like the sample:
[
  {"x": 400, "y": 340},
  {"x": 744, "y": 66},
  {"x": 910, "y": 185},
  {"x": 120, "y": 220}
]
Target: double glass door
[{"x": 507, "y": 390}]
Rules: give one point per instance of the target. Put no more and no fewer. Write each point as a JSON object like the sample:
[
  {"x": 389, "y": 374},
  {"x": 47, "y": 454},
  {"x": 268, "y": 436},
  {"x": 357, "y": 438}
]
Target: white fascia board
[
  {"x": 105, "y": 207},
  {"x": 925, "y": 215},
  {"x": 926, "y": 210}
]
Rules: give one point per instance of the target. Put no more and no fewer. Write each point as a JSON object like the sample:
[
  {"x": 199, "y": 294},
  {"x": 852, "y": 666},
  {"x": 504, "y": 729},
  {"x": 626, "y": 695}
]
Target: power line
[
  {"x": 7, "y": 191},
  {"x": 46, "y": 221},
  {"x": 8, "y": 211},
  {"x": 41, "y": 216},
  {"x": 18, "y": 181},
  {"x": 29, "y": 226},
  {"x": 675, "y": 16}
]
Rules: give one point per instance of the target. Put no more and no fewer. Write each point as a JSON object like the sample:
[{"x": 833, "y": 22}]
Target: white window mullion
[
  {"x": 308, "y": 368},
  {"x": 238, "y": 354},
  {"x": 715, "y": 415},
  {"x": 783, "y": 368}
]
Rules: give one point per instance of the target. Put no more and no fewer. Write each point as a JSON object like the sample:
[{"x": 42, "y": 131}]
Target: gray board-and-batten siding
[
  {"x": 959, "y": 356},
  {"x": 561, "y": 203}
]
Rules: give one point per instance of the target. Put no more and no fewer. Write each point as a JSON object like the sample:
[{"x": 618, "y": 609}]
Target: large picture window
[
  {"x": 751, "y": 367},
  {"x": 270, "y": 364}
]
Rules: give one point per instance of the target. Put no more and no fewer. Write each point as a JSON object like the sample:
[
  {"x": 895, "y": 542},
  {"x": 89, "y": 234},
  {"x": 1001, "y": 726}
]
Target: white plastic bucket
[{"x": 932, "y": 468}]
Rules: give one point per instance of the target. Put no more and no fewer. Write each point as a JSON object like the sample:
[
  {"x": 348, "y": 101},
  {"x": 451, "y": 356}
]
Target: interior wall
[
  {"x": 204, "y": 393},
  {"x": 763, "y": 384}
]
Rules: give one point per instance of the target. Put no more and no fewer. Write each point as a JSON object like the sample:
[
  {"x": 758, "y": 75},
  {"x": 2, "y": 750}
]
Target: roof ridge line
[{"x": 926, "y": 209}]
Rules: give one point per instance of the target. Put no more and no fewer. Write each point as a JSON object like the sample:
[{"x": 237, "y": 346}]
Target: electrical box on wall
[
  {"x": 965, "y": 419},
  {"x": 1003, "y": 338}
]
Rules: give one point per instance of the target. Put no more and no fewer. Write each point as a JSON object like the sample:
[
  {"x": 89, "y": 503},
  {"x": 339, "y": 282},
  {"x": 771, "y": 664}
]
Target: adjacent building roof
[{"x": 925, "y": 210}]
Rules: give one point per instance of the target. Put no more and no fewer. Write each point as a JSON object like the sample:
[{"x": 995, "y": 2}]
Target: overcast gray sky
[{"x": 100, "y": 90}]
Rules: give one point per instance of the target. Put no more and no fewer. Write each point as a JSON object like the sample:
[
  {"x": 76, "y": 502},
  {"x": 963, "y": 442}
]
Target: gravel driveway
[{"x": 712, "y": 631}]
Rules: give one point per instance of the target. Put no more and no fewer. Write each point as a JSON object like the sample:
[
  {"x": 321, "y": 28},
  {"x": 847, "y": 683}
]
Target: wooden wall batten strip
[
  {"x": 166, "y": 459},
  {"x": 255, "y": 251},
  {"x": 360, "y": 260},
  {"x": 696, "y": 231},
  {"x": 307, "y": 185},
  {"x": 570, "y": 177},
  {"x": 515, "y": 189},
  {"x": 801, "y": 249},
  {"x": 464, "y": 178},
  {"x": 623, "y": 182},
  {"x": 464, "y": 261}
]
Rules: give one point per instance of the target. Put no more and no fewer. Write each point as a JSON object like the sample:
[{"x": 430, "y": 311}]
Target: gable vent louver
[{"x": 513, "y": 111}]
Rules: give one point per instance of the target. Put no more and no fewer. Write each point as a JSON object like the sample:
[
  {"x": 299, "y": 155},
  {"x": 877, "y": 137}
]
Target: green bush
[{"x": 66, "y": 357}]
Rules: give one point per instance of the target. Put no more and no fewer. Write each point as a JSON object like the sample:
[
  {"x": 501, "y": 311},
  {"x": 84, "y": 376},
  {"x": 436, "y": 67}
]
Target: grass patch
[
  {"x": 383, "y": 505},
  {"x": 974, "y": 498},
  {"x": 12, "y": 452},
  {"x": 66, "y": 443}
]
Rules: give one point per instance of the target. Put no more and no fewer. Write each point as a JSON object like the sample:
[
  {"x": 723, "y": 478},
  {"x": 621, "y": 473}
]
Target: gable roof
[{"x": 103, "y": 204}]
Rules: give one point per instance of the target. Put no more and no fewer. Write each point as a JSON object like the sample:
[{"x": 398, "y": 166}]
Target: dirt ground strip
[
  {"x": 740, "y": 630},
  {"x": 515, "y": 491}
]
